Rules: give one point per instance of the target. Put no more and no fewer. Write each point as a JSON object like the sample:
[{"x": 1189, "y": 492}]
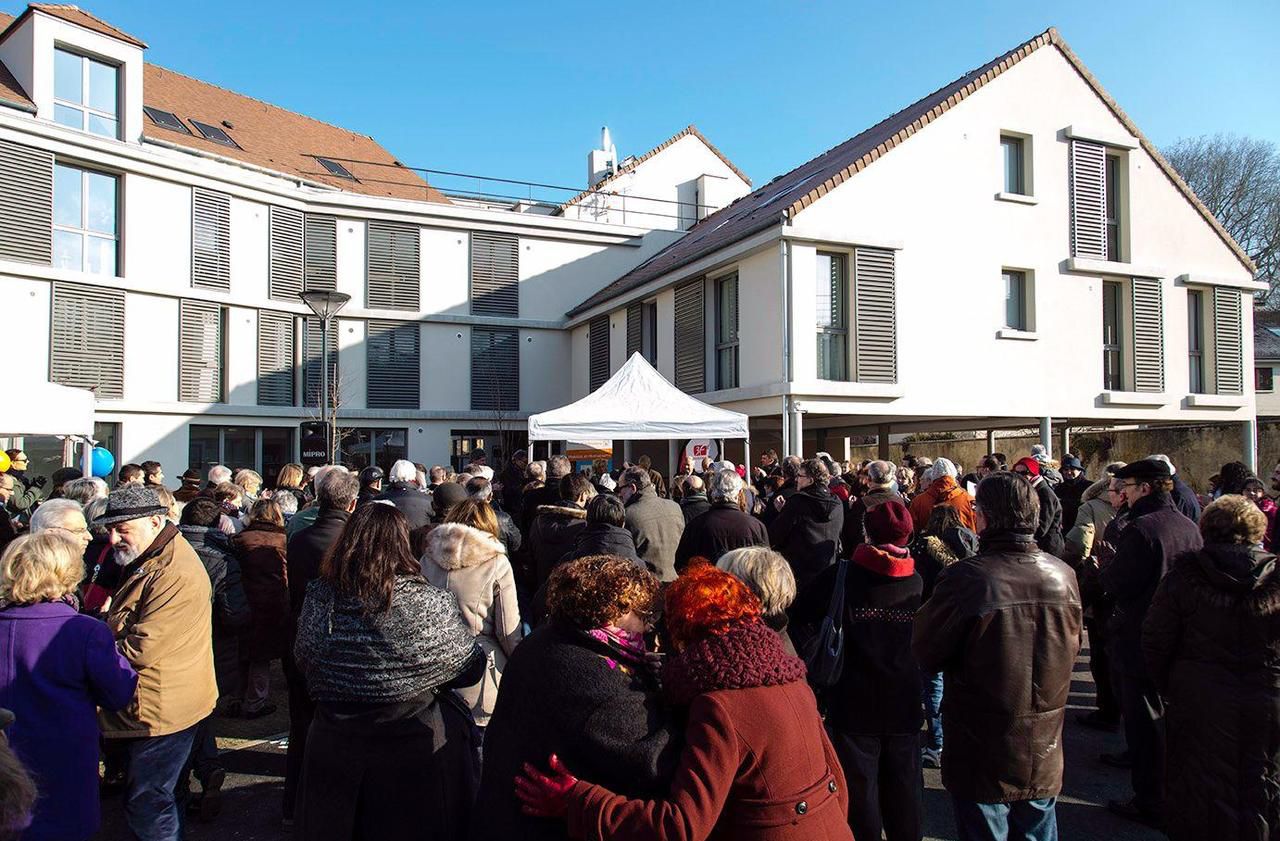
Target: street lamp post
[{"x": 325, "y": 304}]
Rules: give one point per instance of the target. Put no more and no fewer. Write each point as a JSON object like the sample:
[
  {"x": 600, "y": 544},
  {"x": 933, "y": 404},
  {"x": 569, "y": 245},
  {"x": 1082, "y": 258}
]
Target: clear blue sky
[{"x": 520, "y": 89}]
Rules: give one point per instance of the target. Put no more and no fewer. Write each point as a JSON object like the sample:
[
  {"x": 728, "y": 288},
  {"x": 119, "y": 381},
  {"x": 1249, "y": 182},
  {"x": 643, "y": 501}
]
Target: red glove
[{"x": 545, "y": 795}]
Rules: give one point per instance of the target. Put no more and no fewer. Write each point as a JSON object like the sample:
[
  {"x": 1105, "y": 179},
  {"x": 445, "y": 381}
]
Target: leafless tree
[{"x": 1238, "y": 179}]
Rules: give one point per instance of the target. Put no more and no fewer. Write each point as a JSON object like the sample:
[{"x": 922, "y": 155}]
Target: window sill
[
  {"x": 1236, "y": 283},
  {"x": 1017, "y": 335},
  {"x": 1090, "y": 265},
  {"x": 1132, "y": 398},
  {"x": 1017, "y": 198},
  {"x": 1216, "y": 401}
]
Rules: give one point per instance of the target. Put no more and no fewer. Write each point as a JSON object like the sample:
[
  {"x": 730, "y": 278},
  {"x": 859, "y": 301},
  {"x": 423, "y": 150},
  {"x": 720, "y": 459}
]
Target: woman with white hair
[
  {"x": 58, "y": 667},
  {"x": 767, "y": 574}
]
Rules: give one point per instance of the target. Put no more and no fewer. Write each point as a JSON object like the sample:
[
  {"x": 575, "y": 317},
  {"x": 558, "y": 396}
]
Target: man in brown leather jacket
[{"x": 1004, "y": 628}]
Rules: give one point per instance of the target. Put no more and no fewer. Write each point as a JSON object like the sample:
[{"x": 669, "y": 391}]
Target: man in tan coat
[{"x": 160, "y": 616}]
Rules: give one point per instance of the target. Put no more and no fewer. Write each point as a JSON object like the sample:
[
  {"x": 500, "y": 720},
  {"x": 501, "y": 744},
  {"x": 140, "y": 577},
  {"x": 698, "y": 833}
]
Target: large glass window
[
  {"x": 649, "y": 332},
  {"x": 1015, "y": 300},
  {"x": 1264, "y": 379},
  {"x": 86, "y": 93},
  {"x": 1014, "y": 175},
  {"x": 1113, "y": 207},
  {"x": 1112, "y": 314},
  {"x": 85, "y": 227},
  {"x": 264, "y": 449},
  {"x": 1195, "y": 340},
  {"x": 832, "y": 316},
  {"x": 727, "y": 332},
  {"x": 361, "y": 448}
]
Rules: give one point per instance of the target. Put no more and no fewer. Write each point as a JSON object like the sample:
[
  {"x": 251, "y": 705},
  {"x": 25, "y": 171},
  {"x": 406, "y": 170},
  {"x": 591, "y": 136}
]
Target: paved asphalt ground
[{"x": 253, "y": 754}]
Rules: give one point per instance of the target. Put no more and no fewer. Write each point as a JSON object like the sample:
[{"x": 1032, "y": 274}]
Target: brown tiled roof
[
  {"x": 78, "y": 16},
  {"x": 11, "y": 93},
  {"x": 767, "y": 205},
  {"x": 688, "y": 131}
]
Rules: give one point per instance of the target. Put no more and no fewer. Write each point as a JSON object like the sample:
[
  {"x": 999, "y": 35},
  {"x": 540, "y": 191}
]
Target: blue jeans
[
  {"x": 154, "y": 806},
  {"x": 932, "y": 697},
  {"x": 1021, "y": 820}
]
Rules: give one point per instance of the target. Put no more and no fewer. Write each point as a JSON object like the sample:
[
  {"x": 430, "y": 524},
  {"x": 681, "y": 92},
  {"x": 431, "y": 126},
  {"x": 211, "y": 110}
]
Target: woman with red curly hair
[{"x": 757, "y": 765}]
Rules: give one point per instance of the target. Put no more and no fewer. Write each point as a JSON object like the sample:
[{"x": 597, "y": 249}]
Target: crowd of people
[{"x": 542, "y": 652}]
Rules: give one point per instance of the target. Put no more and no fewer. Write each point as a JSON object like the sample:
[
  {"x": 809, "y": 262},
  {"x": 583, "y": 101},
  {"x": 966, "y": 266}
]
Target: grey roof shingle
[{"x": 1266, "y": 344}]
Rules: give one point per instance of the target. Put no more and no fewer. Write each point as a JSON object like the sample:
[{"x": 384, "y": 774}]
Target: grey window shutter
[
  {"x": 320, "y": 253},
  {"x": 495, "y": 274},
  {"x": 875, "y": 316},
  {"x": 86, "y": 348},
  {"x": 392, "y": 357},
  {"x": 598, "y": 347},
  {"x": 1148, "y": 334},
  {"x": 285, "y": 262},
  {"x": 200, "y": 352},
  {"x": 393, "y": 268},
  {"x": 210, "y": 240},
  {"x": 690, "y": 337},
  {"x": 635, "y": 328},
  {"x": 1228, "y": 347},
  {"x": 495, "y": 369},
  {"x": 275, "y": 358},
  {"x": 311, "y": 351},
  {"x": 26, "y": 204},
  {"x": 1088, "y": 200}
]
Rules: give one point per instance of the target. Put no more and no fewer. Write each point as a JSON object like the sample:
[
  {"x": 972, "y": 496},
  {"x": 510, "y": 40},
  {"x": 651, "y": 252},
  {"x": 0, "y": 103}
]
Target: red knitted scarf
[
  {"x": 887, "y": 559},
  {"x": 743, "y": 657}
]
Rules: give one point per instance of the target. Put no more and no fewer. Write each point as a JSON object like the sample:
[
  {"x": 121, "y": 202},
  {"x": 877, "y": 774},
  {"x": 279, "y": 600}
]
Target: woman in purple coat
[{"x": 56, "y": 667}]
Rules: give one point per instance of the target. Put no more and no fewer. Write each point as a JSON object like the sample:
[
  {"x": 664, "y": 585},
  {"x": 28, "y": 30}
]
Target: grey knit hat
[{"x": 131, "y": 502}]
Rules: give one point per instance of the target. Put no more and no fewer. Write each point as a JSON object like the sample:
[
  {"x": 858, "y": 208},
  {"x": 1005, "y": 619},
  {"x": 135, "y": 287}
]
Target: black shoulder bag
[{"x": 823, "y": 653}]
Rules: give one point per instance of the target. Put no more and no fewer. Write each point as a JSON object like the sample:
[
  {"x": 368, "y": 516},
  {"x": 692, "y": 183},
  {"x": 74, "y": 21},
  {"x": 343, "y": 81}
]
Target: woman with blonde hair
[
  {"x": 465, "y": 556},
  {"x": 290, "y": 481},
  {"x": 58, "y": 667}
]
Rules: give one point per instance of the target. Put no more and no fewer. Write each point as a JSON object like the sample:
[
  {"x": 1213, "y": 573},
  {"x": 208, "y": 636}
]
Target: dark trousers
[
  {"x": 204, "y": 752},
  {"x": 301, "y": 711},
  {"x": 1100, "y": 668},
  {"x": 1144, "y": 731},
  {"x": 154, "y": 803},
  {"x": 885, "y": 784}
]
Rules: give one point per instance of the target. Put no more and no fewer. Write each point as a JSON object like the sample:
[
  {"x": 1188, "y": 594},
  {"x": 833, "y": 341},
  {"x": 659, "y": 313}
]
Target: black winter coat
[
  {"x": 561, "y": 695},
  {"x": 413, "y": 503},
  {"x": 854, "y": 531},
  {"x": 1185, "y": 499},
  {"x": 1154, "y": 534},
  {"x": 555, "y": 532},
  {"x": 603, "y": 539},
  {"x": 807, "y": 531},
  {"x": 693, "y": 506},
  {"x": 1049, "y": 532},
  {"x": 1212, "y": 644},
  {"x": 720, "y": 528},
  {"x": 507, "y": 531},
  {"x": 307, "y": 549},
  {"x": 548, "y": 494},
  {"x": 1069, "y": 493},
  {"x": 231, "y": 614}
]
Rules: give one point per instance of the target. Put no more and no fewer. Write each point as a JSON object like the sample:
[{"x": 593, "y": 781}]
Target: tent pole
[{"x": 746, "y": 456}]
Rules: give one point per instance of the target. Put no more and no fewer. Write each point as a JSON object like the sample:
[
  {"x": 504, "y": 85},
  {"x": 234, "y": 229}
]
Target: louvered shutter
[
  {"x": 285, "y": 262},
  {"x": 1088, "y": 200},
  {"x": 275, "y": 358},
  {"x": 26, "y": 204},
  {"x": 1148, "y": 334},
  {"x": 875, "y": 316},
  {"x": 311, "y": 351},
  {"x": 393, "y": 269},
  {"x": 393, "y": 364},
  {"x": 690, "y": 337},
  {"x": 1228, "y": 347},
  {"x": 210, "y": 240},
  {"x": 200, "y": 352},
  {"x": 635, "y": 329},
  {"x": 86, "y": 348},
  {"x": 598, "y": 344},
  {"x": 495, "y": 369},
  {"x": 320, "y": 253},
  {"x": 495, "y": 274}
]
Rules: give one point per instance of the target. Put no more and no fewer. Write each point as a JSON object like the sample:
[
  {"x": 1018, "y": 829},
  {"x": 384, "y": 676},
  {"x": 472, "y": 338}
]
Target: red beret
[
  {"x": 1033, "y": 466},
  {"x": 889, "y": 522}
]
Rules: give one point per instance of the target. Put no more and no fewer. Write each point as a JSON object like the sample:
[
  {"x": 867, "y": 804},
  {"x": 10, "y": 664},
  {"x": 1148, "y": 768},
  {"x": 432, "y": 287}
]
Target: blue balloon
[{"x": 102, "y": 462}]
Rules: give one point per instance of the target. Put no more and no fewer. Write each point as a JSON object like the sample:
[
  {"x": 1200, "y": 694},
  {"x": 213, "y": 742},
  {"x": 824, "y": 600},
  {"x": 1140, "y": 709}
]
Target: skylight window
[
  {"x": 166, "y": 119},
  {"x": 1275, "y": 331},
  {"x": 336, "y": 169},
  {"x": 215, "y": 134}
]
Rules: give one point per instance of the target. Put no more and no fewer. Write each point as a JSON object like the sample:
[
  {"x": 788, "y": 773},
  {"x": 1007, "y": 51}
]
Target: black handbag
[{"x": 823, "y": 653}]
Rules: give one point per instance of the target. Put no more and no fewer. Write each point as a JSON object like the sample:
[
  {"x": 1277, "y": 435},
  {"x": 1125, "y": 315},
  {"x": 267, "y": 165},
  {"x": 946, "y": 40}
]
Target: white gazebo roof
[
  {"x": 45, "y": 408},
  {"x": 637, "y": 403}
]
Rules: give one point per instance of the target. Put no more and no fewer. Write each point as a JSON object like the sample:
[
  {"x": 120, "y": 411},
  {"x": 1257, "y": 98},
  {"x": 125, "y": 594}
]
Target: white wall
[
  {"x": 156, "y": 241},
  {"x": 446, "y": 270},
  {"x": 150, "y": 348},
  {"x": 544, "y": 376},
  {"x": 250, "y": 249}
]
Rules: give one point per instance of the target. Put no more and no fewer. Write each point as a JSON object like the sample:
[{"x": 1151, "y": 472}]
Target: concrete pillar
[
  {"x": 746, "y": 456},
  {"x": 797, "y": 432},
  {"x": 720, "y": 445},
  {"x": 1249, "y": 443},
  {"x": 673, "y": 458},
  {"x": 846, "y": 447},
  {"x": 1064, "y": 441},
  {"x": 626, "y": 451},
  {"x": 882, "y": 442},
  {"x": 785, "y": 418},
  {"x": 991, "y": 441},
  {"x": 1046, "y": 435}
]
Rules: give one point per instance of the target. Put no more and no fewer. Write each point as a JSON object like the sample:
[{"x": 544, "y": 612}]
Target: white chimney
[{"x": 602, "y": 162}]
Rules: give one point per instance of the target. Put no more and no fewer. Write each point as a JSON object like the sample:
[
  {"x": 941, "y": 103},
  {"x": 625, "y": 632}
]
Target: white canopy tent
[
  {"x": 44, "y": 408},
  {"x": 637, "y": 403}
]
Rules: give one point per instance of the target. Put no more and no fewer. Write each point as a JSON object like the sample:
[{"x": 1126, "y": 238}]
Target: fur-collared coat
[{"x": 473, "y": 565}]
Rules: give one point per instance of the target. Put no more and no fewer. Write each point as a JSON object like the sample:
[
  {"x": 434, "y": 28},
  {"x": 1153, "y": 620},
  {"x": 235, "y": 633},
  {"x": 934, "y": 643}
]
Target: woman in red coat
[{"x": 757, "y": 765}]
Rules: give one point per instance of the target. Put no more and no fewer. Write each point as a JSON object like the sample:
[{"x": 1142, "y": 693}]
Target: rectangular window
[
  {"x": 284, "y": 257},
  {"x": 1112, "y": 315},
  {"x": 200, "y": 354},
  {"x": 275, "y": 358},
  {"x": 86, "y": 93},
  {"x": 597, "y": 352},
  {"x": 86, "y": 345},
  {"x": 649, "y": 333},
  {"x": 361, "y": 448},
  {"x": 832, "y": 285},
  {"x": 1011, "y": 150},
  {"x": 727, "y": 332},
  {"x": 1195, "y": 340},
  {"x": 495, "y": 369},
  {"x": 210, "y": 240},
  {"x": 313, "y": 348},
  {"x": 690, "y": 336},
  {"x": 26, "y": 211},
  {"x": 85, "y": 229},
  {"x": 320, "y": 253},
  {"x": 1263, "y": 379},
  {"x": 1113, "y": 208},
  {"x": 495, "y": 274},
  {"x": 393, "y": 269},
  {"x": 265, "y": 449},
  {"x": 393, "y": 360},
  {"x": 1015, "y": 300}
]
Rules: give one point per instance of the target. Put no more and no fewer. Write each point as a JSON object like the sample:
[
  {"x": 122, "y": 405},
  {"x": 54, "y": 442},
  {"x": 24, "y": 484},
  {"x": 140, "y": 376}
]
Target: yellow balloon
[{"x": 4, "y": 462}]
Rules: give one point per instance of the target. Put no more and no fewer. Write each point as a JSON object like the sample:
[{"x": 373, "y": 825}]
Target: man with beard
[{"x": 161, "y": 617}]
